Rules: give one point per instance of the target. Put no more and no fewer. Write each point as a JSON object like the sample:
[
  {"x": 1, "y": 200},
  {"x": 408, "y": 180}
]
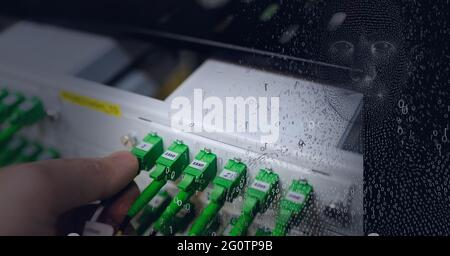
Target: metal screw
[
  {"x": 128, "y": 140},
  {"x": 52, "y": 114}
]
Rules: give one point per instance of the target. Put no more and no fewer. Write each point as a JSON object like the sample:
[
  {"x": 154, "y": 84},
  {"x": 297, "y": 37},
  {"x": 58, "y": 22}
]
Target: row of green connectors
[
  {"x": 8, "y": 103},
  {"x": 258, "y": 198},
  {"x": 227, "y": 186},
  {"x": 168, "y": 166},
  {"x": 180, "y": 221},
  {"x": 290, "y": 212},
  {"x": 196, "y": 176},
  {"x": 292, "y": 207},
  {"x": 17, "y": 112},
  {"x": 19, "y": 150},
  {"x": 152, "y": 211}
]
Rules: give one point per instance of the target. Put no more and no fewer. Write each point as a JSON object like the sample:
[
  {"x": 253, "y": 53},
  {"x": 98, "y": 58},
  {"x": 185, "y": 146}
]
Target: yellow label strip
[{"x": 91, "y": 103}]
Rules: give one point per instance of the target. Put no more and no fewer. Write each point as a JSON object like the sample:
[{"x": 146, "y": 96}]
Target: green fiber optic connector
[
  {"x": 196, "y": 177},
  {"x": 258, "y": 198},
  {"x": 3, "y": 93},
  {"x": 152, "y": 211},
  {"x": 148, "y": 150},
  {"x": 181, "y": 220},
  {"x": 169, "y": 166},
  {"x": 7, "y": 131},
  {"x": 48, "y": 154},
  {"x": 13, "y": 148},
  {"x": 292, "y": 206},
  {"x": 8, "y": 104},
  {"x": 29, "y": 153},
  {"x": 28, "y": 112},
  {"x": 227, "y": 186}
]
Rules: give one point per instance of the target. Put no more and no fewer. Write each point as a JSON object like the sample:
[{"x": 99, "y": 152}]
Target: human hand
[{"x": 34, "y": 196}]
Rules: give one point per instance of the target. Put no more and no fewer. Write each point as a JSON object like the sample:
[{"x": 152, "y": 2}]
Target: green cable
[
  {"x": 246, "y": 218},
  {"x": 258, "y": 198},
  {"x": 207, "y": 214},
  {"x": 196, "y": 177},
  {"x": 292, "y": 207},
  {"x": 181, "y": 220},
  {"x": 149, "y": 192},
  {"x": 227, "y": 186},
  {"x": 163, "y": 223},
  {"x": 152, "y": 211},
  {"x": 169, "y": 166},
  {"x": 283, "y": 222},
  {"x": 242, "y": 224}
]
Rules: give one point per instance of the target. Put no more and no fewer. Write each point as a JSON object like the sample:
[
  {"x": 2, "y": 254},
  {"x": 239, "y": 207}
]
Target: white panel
[{"x": 82, "y": 132}]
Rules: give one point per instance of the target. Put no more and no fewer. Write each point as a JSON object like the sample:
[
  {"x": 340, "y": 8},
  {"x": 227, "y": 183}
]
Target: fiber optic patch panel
[
  {"x": 87, "y": 119},
  {"x": 16, "y": 113}
]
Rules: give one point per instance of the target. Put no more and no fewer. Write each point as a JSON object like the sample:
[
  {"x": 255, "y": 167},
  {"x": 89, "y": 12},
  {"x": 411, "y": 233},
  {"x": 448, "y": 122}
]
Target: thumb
[
  {"x": 72, "y": 183},
  {"x": 57, "y": 186}
]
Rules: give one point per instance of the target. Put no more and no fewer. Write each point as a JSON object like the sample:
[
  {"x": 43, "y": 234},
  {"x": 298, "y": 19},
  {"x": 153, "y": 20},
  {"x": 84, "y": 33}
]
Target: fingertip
[
  {"x": 65, "y": 184},
  {"x": 124, "y": 160},
  {"x": 122, "y": 168}
]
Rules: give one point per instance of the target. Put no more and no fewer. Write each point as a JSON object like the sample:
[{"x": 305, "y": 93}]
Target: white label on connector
[
  {"x": 97, "y": 229},
  {"x": 144, "y": 146},
  {"x": 156, "y": 201},
  {"x": 295, "y": 197},
  {"x": 170, "y": 155},
  {"x": 229, "y": 175},
  {"x": 261, "y": 186},
  {"x": 197, "y": 164}
]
